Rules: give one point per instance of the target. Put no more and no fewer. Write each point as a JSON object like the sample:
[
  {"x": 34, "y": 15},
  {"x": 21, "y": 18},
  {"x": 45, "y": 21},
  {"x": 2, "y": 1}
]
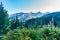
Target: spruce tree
[
  {"x": 15, "y": 23},
  {"x": 4, "y": 20}
]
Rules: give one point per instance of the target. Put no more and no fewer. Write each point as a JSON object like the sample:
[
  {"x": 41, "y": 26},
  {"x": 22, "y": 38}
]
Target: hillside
[{"x": 46, "y": 19}]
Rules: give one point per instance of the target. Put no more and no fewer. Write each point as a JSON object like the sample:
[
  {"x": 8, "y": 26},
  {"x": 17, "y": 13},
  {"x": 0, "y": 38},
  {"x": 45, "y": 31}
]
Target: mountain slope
[
  {"x": 46, "y": 19},
  {"x": 25, "y": 16}
]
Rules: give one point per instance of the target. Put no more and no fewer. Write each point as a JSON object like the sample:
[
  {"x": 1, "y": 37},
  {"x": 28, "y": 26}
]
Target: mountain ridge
[
  {"x": 49, "y": 18},
  {"x": 25, "y": 16}
]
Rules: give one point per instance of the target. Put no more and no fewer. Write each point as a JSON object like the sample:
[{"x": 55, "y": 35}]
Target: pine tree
[
  {"x": 15, "y": 23},
  {"x": 4, "y": 20}
]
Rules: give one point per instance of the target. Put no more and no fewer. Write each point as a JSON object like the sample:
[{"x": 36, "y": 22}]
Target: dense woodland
[{"x": 43, "y": 28}]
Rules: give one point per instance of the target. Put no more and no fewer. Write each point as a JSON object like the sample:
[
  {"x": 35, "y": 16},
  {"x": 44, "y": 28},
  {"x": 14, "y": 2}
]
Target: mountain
[
  {"x": 26, "y": 16},
  {"x": 53, "y": 17}
]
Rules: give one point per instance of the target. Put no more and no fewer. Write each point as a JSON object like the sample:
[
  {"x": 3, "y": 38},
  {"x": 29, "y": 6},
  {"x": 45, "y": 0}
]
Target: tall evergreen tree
[
  {"x": 4, "y": 20},
  {"x": 15, "y": 23}
]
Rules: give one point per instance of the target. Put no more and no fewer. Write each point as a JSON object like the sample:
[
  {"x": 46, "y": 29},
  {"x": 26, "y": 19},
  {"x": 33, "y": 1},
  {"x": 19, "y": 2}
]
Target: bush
[{"x": 45, "y": 33}]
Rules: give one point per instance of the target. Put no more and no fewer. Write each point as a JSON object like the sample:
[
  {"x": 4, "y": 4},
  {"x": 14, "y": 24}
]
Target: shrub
[{"x": 45, "y": 33}]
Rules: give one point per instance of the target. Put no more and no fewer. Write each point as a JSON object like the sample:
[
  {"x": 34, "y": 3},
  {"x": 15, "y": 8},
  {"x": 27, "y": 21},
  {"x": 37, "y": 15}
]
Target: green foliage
[
  {"x": 33, "y": 23},
  {"x": 15, "y": 23},
  {"x": 4, "y": 20},
  {"x": 45, "y": 33}
]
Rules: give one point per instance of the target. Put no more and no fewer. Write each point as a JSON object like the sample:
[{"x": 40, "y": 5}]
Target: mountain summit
[{"x": 26, "y": 16}]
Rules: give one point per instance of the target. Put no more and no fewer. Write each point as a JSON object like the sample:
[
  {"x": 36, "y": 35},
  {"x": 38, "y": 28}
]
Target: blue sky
[{"x": 14, "y": 6}]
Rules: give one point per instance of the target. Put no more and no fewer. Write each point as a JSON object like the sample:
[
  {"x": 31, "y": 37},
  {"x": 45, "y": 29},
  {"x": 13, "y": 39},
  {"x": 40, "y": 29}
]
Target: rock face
[
  {"x": 1, "y": 37},
  {"x": 25, "y": 16}
]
